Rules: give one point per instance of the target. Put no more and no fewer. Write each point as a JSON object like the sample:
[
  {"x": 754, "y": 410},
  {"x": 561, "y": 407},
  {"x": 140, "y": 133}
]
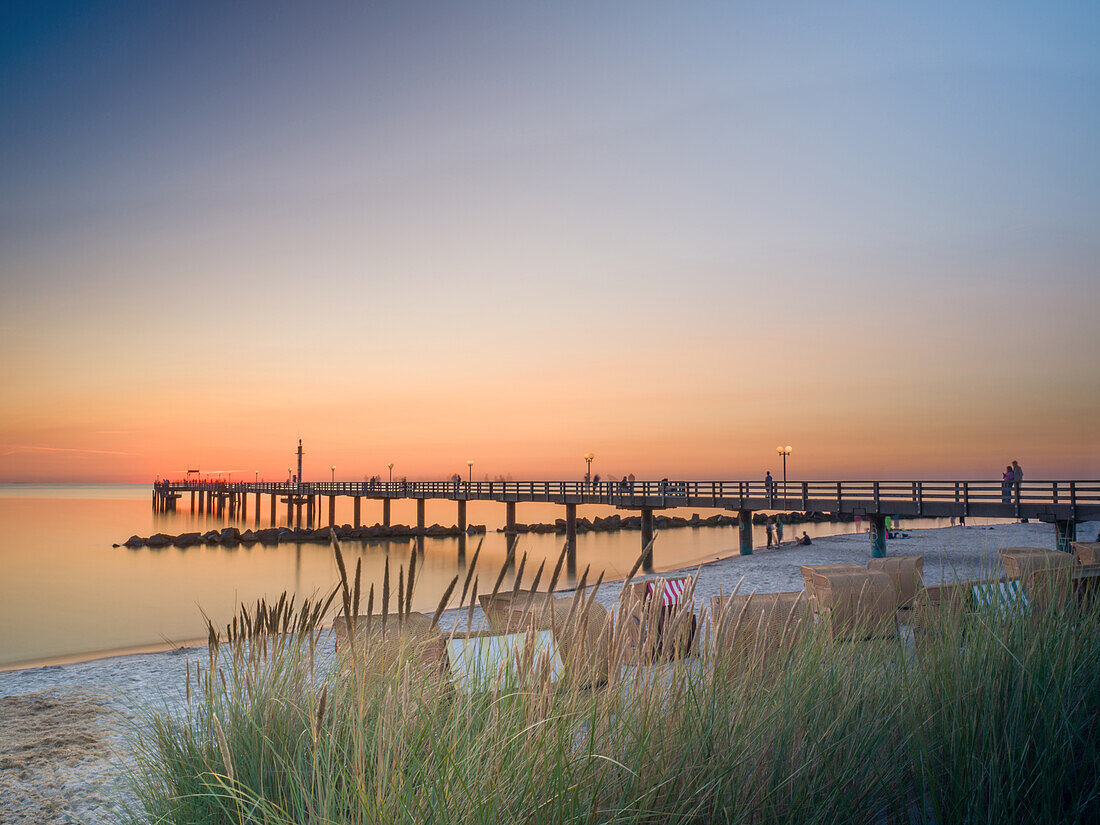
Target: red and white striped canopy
[{"x": 673, "y": 590}]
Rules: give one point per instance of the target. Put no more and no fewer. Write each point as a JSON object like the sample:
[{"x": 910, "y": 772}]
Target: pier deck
[{"x": 1063, "y": 503}]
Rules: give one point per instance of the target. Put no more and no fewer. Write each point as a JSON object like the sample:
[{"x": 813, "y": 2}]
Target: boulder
[
  {"x": 134, "y": 541},
  {"x": 159, "y": 540},
  {"x": 187, "y": 539}
]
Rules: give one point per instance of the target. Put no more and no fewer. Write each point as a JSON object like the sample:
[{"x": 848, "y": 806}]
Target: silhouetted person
[
  {"x": 804, "y": 541},
  {"x": 771, "y": 532},
  {"x": 769, "y": 485},
  {"x": 1007, "y": 481}
]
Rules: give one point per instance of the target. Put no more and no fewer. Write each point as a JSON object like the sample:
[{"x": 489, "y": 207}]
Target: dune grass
[{"x": 982, "y": 718}]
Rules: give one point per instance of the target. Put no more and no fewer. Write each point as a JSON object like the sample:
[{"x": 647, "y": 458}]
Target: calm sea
[{"x": 66, "y": 593}]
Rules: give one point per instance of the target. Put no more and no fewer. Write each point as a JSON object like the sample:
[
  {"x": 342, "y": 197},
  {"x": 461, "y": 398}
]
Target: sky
[{"x": 674, "y": 235}]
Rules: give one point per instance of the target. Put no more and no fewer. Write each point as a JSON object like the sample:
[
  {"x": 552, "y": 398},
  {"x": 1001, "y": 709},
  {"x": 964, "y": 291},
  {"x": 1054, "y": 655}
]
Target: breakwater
[{"x": 232, "y": 536}]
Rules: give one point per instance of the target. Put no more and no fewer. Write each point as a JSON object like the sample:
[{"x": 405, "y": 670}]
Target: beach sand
[{"x": 64, "y": 729}]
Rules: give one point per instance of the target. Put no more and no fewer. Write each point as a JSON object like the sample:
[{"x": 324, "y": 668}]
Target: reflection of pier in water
[{"x": 1063, "y": 503}]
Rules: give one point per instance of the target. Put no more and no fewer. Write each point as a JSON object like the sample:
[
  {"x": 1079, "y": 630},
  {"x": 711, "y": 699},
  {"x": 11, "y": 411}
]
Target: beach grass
[{"x": 982, "y": 716}]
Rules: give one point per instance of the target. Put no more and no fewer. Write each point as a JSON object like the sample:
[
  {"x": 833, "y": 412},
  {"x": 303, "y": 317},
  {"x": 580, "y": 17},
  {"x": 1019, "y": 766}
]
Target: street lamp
[
  {"x": 784, "y": 451},
  {"x": 588, "y": 458},
  {"x": 333, "y": 468},
  {"x": 470, "y": 464},
  {"x": 255, "y": 475},
  {"x": 390, "y": 465}
]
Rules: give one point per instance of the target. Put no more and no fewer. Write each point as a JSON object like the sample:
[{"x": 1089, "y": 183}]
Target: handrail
[{"x": 776, "y": 495}]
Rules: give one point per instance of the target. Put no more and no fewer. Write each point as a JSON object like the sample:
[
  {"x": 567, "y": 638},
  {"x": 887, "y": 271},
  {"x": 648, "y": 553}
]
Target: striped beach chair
[
  {"x": 672, "y": 592},
  {"x": 1001, "y": 597}
]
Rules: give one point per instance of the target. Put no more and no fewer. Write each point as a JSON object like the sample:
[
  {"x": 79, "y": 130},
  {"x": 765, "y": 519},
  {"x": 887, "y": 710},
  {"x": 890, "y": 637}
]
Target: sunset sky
[{"x": 675, "y": 235}]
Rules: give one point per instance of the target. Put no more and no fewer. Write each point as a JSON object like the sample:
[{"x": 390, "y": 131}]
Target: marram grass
[{"x": 986, "y": 718}]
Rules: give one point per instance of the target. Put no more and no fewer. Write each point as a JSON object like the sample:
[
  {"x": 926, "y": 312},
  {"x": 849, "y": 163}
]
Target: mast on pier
[{"x": 299, "y": 461}]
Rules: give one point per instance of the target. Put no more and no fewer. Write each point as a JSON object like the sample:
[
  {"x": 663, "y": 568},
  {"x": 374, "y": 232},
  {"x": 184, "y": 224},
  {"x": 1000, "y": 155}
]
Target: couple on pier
[{"x": 1013, "y": 475}]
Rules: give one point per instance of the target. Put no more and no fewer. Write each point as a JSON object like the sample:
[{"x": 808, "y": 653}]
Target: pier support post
[
  {"x": 332, "y": 511},
  {"x": 509, "y": 518},
  {"x": 878, "y": 536},
  {"x": 385, "y": 512},
  {"x": 289, "y": 510},
  {"x": 259, "y": 502},
  {"x": 309, "y": 511},
  {"x": 462, "y": 515},
  {"x": 744, "y": 531},
  {"x": 274, "y": 502},
  {"x": 571, "y": 536},
  {"x": 244, "y": 506},
  {"x": 357, "y": 510},
  {"x": 420, "y": 508},
  {"x": 192, "y": 501},
  {"x": 647, "y": 537},
  {"x": 1065, "y": 531}
]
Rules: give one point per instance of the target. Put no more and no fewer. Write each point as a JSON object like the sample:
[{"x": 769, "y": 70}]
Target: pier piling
[
  {"x": 878, "y": 536},
  {"x": 744, "y": 531},
  {"x": 510, "y": 518},
  {"x": 647, "y": 537}
]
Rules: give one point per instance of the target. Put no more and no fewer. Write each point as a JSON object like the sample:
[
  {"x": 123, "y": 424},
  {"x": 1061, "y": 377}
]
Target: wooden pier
[{"x": 1062, "y": 503}]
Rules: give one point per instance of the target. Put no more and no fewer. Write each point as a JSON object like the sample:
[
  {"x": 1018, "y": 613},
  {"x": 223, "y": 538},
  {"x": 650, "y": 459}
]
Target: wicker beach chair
[
  {"x": 1046, "y": 576},
  {"x": 1087, "y": 553},
  {"x": 485, "y": 659},
  {"x": 857, "y": 605},
  {"x": 409, "y": 637},
  {"x": 657, "y": 619},
  {"x": 757, "y": 628},
  {"x": 808, "y": 578},
  {"x": 582, "y": 632},
  {"x": 907, "y": 575}
]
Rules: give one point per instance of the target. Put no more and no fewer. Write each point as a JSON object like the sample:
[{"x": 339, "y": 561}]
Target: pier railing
[{"x": 1071, "y": 499}]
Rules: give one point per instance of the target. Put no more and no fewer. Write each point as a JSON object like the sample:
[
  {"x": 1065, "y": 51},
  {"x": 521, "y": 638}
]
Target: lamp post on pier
[
  {"x": 470, "y": 475},
  {"x": 784, "y": 451},
  {"x": 333, "y": 468},
  {"x": 390, "y": 465},
  {"x": 588, "y": 458}
]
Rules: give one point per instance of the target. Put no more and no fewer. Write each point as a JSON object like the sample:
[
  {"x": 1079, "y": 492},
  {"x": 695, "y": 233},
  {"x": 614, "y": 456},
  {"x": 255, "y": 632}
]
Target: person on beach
[
  {"x": 1006, "y": 484},
  {"x": 778, "y": 531},
  {"x": 804, "y": 541},
  {"x": 771, "y": 533}
]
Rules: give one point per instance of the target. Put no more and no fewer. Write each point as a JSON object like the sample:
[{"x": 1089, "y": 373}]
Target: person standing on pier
[
  {"x": 769, "y": 485},
  {"x": 1007, "y": 481}
]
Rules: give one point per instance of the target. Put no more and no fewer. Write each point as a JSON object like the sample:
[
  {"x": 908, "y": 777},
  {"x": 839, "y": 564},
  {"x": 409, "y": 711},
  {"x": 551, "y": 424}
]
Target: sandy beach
[{"x": 64, "y": 729}]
